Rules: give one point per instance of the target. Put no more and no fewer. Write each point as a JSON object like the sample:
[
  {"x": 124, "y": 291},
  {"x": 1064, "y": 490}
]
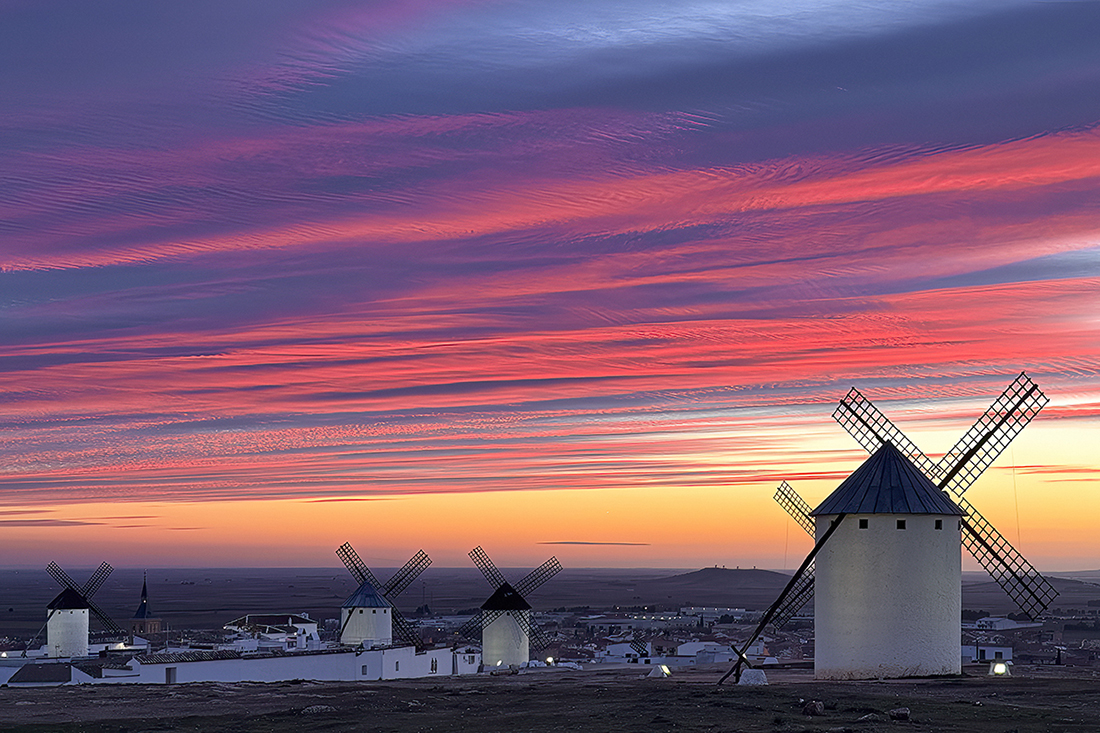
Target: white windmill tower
[
  {"x": 953, "y": 475},
  {"x": 368, "y": 617},
  {"x": 507, "y": 633},
  {"x": 888, "y": 598},
  {"x": 68, "y": 614}
]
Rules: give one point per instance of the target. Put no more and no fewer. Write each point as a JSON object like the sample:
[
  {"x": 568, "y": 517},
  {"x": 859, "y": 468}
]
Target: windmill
[
  {"x": 504, "y": 622},
  {"x": 952, "y": 475},
  {"x": 67, "y": 620},
  {"x": 369, "y": 616}
]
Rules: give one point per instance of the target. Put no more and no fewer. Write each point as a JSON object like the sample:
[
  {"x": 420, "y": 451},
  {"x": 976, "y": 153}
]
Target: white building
[
  {"x": 999, "y": 623},
  {"x": 504, "y": 637},
  {"x": 887, "y": 593},
  {"x": 67, "y": 625},
  {"x": 366, "y": 618},
  {"x": 179, "y": 666},
  {"x": 972, "y": 653}
]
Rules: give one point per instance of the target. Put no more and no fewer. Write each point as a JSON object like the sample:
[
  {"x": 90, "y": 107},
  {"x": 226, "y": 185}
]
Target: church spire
[{"x": 143, "y": 607}]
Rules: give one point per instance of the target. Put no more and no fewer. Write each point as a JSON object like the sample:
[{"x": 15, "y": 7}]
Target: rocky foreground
[{"x": 1039, "y": 699}]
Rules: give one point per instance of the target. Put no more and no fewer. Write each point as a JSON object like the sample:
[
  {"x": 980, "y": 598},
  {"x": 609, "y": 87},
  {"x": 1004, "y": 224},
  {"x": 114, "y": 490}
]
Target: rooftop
[{"x": 887, "y": 483}]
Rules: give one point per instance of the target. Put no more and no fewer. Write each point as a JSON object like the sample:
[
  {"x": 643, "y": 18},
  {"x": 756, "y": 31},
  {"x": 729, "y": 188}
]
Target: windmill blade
[
  {"x": 108, "y": 622},
  {"x": 404, "y": 630},
  {"x": 535, "y": 638},
  {"x": 356, "y": 566},
  {"x": 990, "y": 435},
  {"x": 472, "y": 629},
  {"x": 866, "y": 423},
  {"x": 971, "y": 456},
  {"x": 344, "y": 626},
  {"x": 1019, "y": 579},
  {"x": 794, "y": 582},
  {"x": 538, "y": 576},
  {"x": 62, "y": 577},
  {"x": 796, "y": 506},
  {"x": 799, "y": 596},
  {"x": 958, "y": 470},
  {"x": 487, "y": 568},
  {"x": 409, "y": 572},
  {"x": 96, "y": 580}
]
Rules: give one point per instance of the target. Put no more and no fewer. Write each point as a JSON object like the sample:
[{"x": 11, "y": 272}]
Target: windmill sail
[
  {"x": 796, "y": 581},
  {"x": 85, "y": 591},
  {"x": 796, "y": 506},
  {"x": 508, "y": 600},
  {"x": 404, "y": 577},
  {"x": 801, "y": 594},
  {"x": 488, "y": 569},
  {"x": 959, "y": 469},
  {"x": 418, "y": 563},
  {"x": 538, "y": 576}
]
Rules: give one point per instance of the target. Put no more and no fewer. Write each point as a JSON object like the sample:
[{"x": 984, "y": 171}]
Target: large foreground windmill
[
  {"x": 368, "y": 616},
  {"x": 881, "y": 556},
  {"x": 67, "y": 619},
  {"x": 504, "y": 623}
]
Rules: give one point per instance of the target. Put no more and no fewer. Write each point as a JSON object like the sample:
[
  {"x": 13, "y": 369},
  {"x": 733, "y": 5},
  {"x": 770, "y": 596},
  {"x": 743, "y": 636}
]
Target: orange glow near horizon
[
  {"x": 671, "y": 526},
  {"x": 408, "y": 278}
]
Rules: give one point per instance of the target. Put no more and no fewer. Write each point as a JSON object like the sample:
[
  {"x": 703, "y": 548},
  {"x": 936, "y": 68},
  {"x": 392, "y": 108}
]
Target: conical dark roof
[
  {"x": 887, "y": 483},
  {"x": 505, "y": 599},
  {"x": 67, "y": 599},
  {"x": 143, "y": 607},
  {"x": 366, "y": 597}
]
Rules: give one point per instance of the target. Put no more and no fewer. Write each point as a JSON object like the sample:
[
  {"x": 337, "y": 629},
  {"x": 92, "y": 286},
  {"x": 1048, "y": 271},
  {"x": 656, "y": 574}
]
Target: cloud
[
  {"x": 48, "y": 523},
  {"x": 594, "y": 543}
]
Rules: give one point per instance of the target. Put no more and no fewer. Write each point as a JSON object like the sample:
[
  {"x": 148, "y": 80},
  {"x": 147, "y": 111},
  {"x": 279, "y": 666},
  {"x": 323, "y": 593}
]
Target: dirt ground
[{"x": 613, "y": 700}]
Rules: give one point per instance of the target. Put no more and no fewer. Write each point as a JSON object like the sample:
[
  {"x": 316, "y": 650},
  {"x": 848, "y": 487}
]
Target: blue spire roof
[
  {"x": 887, "y": 483},
  {"x": 366, "y": 597},
  {"x": 143, "y": 607}
]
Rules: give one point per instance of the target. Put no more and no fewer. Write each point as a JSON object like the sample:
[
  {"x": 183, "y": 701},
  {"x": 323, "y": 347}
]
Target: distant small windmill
[
  {"x": 67, "y": 619},
  {"x": 896, "y": 494},
  {"x": 504, "y": 622},
  {"x": 369, "y": 614}
]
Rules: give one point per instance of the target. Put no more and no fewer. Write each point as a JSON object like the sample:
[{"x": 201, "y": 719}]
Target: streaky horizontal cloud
[{"x": 594, "y": 543}]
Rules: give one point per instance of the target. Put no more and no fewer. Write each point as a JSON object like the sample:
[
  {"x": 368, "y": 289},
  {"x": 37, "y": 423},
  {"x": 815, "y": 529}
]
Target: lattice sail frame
[
  {"x": 803, "y": 590},
  {"x": 796, "y": 506},
  {"x": 959, "y": 469},
  {"x": 85, "y": 591},
  {"x": 401, "y": 580},
  {"x": 472, "y": 629}
]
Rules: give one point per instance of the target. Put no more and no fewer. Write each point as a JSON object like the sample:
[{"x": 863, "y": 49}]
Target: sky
[{"x": 572, "y": 278}]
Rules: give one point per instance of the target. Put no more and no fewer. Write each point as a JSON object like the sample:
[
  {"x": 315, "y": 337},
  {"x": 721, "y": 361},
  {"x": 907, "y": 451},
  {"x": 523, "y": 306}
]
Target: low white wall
[{"x": 376, "y": 664}]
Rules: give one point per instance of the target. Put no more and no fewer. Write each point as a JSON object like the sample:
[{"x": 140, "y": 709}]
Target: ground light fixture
[{"x": 999, "y": 669}]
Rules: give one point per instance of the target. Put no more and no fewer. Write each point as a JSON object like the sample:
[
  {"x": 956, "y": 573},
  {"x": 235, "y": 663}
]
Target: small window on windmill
[
  {"x": 901, "y": 524},
  {"x": 939, "y": 524},
  {"x": 863, "y": 524}
]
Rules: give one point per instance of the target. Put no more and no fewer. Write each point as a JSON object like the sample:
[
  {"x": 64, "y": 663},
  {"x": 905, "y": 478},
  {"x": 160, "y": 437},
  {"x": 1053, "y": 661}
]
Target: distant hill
[
  {"x": 988, "y": 596},
  {"x": 733, "y": 588}
]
